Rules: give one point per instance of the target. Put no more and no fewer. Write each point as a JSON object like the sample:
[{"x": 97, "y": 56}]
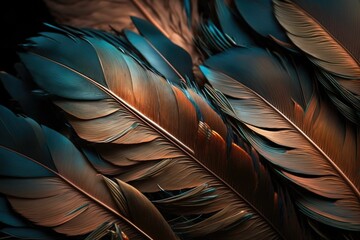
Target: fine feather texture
[
  {"x": 328, "y": 36},
  {"x": 17, "y": 227},
  {"x": 168, "y": 16},
  {"x": 307, "y": 31},
  {"x": 117, "y": 104},
  {"x": 48, "y": 181},
  {"x": 272, "y": 152},
  {"x": 290, "y": 126},
  {"x": 211, "y": 40},
  {"x": 346, "y": 99}
]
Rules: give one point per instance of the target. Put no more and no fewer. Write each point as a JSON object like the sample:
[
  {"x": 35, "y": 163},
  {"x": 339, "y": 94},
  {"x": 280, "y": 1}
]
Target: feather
[
  {"x": 328, "y": 41},
  {"x": 259, "y": 16},
  {"x": 327, "y": 36},
  {"x": 232, "y": 26},
  {"x": 25, "y": 233},
  {"x": 20, "y": 90},
  {"x": 347, "y": 100},
  {"x": 106, "y": 15},
  {"x": 48, "y": 181},
  {"x": 160, "y": 137},
  {"x": 32, "y": 101},
  {"x": 178, "y": 59},
  {"x": 15, "y": 226},
  {"x": 281, "y": 115},
  {"x": 210, "y": 40}
]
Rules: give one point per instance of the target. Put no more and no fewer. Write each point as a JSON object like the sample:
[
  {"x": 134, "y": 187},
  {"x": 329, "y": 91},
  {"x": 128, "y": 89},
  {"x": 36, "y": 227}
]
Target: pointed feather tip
[
  {"x": 137, "y": 20},
  {"x": 130, "y": 34},
  {"x": 139, "y": 23},
  {"x": 142, "y": 24},
  {"x": 210, "y": 74},
  {"x": 205, "y": 70}
]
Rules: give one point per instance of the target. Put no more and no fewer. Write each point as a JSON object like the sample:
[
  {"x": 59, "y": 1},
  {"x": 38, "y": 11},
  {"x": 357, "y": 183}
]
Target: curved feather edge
[
  {"x": 259, "y": 16},
  {"x": 343, "y": 96},
  {"x": 327, "y": 52},
  {"x": 211, "y": 40},
  {"x": 107, "y": 15},
  {"x": 311, "y": 37},
  {"x": 176, "y": 57},
  {"x": 231, "y": 26},
  {"x": 13, "y": 225},
  {"x": 336, "y": 200},
  {"x": 119, "y": 110},
  {"x": 69, "y": 195}
]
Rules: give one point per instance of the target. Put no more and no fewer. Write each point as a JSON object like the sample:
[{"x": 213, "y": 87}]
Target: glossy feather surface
[{"x": 184, "y": 119}]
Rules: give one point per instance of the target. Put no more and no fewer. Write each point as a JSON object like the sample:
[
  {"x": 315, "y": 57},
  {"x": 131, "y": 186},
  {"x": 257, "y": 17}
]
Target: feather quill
[
  {"x": 159, "y": 136},
  {"x": 327, "y": 36},
  {"x": 294, "y": 129},
  {"x": 48, "y": 181}
]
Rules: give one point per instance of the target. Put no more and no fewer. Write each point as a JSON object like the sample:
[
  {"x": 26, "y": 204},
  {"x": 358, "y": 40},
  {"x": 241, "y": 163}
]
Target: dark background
[{"x": 19, "y": 20}]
